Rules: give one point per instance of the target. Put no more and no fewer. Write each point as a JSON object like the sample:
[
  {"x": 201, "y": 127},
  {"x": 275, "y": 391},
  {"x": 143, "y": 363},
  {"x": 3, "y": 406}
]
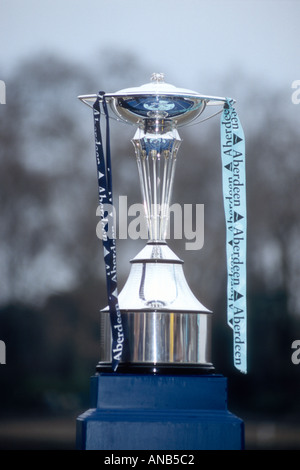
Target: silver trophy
[{"x": 168, "y": 328}]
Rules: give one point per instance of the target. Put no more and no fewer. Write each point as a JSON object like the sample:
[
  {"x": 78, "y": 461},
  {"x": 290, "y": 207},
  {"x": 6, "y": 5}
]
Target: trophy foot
[{"x": 157, "y": 369}]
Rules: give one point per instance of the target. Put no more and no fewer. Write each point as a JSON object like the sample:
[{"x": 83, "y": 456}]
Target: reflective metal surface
[
  {"x": 161, "y": 338},
  {"x": 166, "y": 324},
  {"x": 156, "y": 159},
  {"x": 158, "y": 100},
  {"x": 157, "y": 281}
]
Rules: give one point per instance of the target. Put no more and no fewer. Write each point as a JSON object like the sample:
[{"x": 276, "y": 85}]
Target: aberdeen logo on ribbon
[
  {"x": 103, "y": 161},
  {"x": 234, "y": 195}
]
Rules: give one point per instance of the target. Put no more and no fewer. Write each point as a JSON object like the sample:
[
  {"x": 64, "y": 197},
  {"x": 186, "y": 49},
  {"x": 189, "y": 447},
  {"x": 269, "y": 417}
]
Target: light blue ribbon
[{"x": 234, "y": 195}]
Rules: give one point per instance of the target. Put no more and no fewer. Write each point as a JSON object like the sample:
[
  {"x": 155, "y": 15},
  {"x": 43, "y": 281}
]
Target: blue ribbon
[
  {"x": 234, "y": 195},
  {"x": 103, "y": 161}
]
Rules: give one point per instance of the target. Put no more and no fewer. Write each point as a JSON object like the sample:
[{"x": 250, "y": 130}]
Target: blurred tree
[
  {"x": 47, "y": 169},
  {"x": 49, "y": 243},
  {"x": 49, "y": 251}
]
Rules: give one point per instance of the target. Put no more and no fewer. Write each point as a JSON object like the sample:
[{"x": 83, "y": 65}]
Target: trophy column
[{"x": 168, "y": 328}]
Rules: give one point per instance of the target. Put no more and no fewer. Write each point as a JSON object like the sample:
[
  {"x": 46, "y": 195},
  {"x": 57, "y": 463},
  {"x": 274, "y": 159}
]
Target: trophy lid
[
  {"x": 157, "y": 100},
  {"x": 157, "y": 86}
]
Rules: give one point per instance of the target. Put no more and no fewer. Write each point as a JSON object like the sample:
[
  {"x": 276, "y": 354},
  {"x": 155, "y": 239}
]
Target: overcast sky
[{"x": 187, "y": 38}]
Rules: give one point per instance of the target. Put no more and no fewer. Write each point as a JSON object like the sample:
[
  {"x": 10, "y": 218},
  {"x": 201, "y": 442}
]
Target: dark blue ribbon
[{"x": 103, "y": 161}]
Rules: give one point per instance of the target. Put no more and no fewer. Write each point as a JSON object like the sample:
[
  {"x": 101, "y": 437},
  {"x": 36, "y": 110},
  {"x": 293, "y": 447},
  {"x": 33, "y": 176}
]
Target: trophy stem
[
  {"x": 156, "y": 161},
  {"x": 156, "y": 187},
  {"x": 169, "y": 172}
]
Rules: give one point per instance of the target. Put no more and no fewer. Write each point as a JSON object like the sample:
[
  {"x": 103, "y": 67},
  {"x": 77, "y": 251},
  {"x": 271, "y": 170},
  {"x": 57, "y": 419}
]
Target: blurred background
[{"x": 51, "y": 266}]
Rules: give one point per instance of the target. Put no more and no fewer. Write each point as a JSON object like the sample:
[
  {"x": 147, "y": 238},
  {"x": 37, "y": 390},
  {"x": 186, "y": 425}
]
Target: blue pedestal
[{"x": 159, "y": 412}]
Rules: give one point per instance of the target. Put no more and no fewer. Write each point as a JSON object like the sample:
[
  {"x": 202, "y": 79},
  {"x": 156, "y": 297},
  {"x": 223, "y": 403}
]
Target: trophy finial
[{"x": 158, "y": 77}]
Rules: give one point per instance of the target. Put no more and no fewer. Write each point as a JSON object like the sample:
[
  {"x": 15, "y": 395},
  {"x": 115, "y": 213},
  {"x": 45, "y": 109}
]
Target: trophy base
[
  {"x": 160, "y": 340},
  {"x": 157, "y": 369},
  {"x": 159, "y": 412}
]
